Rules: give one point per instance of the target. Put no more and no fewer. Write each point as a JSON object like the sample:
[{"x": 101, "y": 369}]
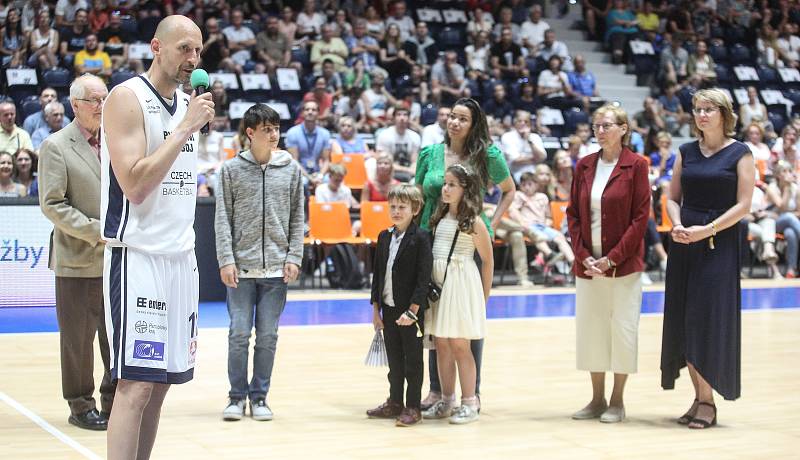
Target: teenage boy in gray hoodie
[{"x": 259, "y": 228}]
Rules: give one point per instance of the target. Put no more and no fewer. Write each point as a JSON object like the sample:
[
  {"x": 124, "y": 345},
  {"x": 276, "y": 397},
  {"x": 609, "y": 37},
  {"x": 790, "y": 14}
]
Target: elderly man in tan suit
[{"x": 69, "y": 195}]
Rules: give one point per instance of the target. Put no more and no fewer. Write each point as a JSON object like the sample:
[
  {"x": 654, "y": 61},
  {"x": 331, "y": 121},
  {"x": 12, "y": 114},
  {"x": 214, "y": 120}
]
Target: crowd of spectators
[{"x": 376, "y": 80}]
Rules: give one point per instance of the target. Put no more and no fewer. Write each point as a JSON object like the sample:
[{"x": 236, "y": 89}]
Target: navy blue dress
[{"x": 702, "y": 302}]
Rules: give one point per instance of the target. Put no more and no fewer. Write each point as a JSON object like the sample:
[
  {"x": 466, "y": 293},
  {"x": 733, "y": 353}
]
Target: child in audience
[
  {"x": 403, "y": 263},
  {"x": 335, "y": 191},
  {"x": 531, "y": 208}
]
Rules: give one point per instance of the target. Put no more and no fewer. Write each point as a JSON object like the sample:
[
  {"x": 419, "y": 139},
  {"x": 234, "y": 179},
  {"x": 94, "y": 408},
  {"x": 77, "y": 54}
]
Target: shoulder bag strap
[{"x": 450, "y": 254}]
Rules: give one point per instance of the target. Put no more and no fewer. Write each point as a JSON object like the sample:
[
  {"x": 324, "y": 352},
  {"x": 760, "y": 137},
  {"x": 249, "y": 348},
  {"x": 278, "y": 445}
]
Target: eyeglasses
[
  {"x": 604, "y": 126},
  {"x": 704, "y": 110},
  {"x": 94, "y": 101}
]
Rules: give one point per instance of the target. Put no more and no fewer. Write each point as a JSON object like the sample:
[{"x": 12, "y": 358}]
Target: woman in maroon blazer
[{"x": 607, "y": 216}]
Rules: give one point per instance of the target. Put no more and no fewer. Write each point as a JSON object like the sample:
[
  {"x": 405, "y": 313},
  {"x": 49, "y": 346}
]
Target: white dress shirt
[{"x": 394, "y": 245}]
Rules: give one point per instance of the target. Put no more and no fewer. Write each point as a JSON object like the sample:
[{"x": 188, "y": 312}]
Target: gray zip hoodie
[{"x": 259, "y": 216}]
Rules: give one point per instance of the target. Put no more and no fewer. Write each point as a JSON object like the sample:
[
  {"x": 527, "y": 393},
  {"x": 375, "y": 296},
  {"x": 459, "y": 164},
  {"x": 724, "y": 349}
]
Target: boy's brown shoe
[
  {"x": 410, "y": 416},
  {"x": 389, "y": 409}
]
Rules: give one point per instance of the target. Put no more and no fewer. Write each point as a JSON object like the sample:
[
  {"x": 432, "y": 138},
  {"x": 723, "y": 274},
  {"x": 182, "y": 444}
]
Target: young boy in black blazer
[{"x": 403, "y": 264}]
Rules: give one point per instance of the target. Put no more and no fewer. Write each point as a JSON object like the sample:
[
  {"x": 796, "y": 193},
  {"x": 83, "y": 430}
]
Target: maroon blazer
[{"x": 626, "y": 209}]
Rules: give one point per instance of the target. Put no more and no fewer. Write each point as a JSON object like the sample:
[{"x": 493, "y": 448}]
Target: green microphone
[{"x": 199, "y": 81}]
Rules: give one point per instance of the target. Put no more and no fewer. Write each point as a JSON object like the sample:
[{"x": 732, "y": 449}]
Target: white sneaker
[
  {"x": 526, "y": 283},
  {"x": 464, "y": 414},
  {"x": 234, "y": 411},
  {"x": 260, "y": 411},
  {"x": 646, "y": 281},
  {"x": 440, "y": 409}
]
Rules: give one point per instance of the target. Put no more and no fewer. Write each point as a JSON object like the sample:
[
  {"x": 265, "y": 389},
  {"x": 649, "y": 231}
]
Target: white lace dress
[{"x": 461, "y": 310}]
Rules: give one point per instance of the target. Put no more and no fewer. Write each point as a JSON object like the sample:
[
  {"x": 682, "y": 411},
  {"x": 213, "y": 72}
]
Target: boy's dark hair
[
  {"x": 260, "y": 114},
  {"x": 527, "y": 177}
]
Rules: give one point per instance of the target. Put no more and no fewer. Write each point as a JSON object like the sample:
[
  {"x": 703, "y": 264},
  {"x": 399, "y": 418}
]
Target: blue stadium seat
[
  {"x": 724, "y": 74},
  {"x": 30, "y": 105},
  {"x": 719, "y": 53},
  {"x": 475, "y": 90},
  {"x": 572, "y": 118},
  {"x": 778, "y": 120},
  {"x": 793, "y": 95},
  {"x": 685, "y": 95},
  {"x": 67, "y": 107},
  {"x": 429, "y": 114},
  {"x": 59, "y": 78},
  {"x": 299, "y": 54},
  {"x": 740, "y": 54},
  {"x": 120, "y": 76},
  {"x": 451, "y": 38},
  {"x": 768, "y": 76},
  {"x": 128, "y": 24}
]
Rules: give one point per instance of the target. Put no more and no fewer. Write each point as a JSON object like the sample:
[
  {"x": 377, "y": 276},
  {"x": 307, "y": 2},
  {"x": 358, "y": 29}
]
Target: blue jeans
[
  {"x": 788, "y": 224},
  {"x": 262, "y": 300}
]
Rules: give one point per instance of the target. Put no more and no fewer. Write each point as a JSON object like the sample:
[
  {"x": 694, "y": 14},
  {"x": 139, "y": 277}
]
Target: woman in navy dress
[{"x": 711, "y": 190}]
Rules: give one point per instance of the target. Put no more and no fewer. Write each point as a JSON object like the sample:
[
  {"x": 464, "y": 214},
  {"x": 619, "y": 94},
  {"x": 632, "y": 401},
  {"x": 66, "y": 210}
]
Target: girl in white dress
[{"x": 460, "y": 314}]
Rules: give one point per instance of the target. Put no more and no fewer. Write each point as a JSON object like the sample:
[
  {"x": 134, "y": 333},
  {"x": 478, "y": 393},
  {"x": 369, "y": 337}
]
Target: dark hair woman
[{"x": 467, "y": 142}]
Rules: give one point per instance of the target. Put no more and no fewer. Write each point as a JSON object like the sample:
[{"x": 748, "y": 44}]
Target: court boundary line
[
  {"x": 516, "y": 318},
  {"x": 43, "y": 424}
]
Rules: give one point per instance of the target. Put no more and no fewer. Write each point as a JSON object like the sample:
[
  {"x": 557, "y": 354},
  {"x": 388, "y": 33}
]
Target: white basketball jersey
[{"x": 163, "y": 222}]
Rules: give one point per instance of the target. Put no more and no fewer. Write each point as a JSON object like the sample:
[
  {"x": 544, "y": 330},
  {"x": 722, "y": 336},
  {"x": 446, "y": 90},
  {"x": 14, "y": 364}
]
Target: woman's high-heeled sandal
[
  {"x": 686, "y": 418},
  {"x": 700, "y": 423}
]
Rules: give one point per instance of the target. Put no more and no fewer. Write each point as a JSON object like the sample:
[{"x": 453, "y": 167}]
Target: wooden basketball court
[{"x": 321, "y": 389}]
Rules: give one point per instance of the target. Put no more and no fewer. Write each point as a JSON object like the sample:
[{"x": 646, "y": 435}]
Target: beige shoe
[
  {"x": 590, "y": 412},
  {"x": 614, "y": 414}
]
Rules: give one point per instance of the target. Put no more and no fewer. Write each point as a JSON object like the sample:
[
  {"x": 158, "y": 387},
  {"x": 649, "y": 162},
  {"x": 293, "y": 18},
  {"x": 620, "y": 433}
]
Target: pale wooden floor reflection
[{"x": 321, "y": 390}]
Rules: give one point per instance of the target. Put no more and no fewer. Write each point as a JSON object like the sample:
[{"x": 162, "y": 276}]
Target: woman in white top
[
  {"x": 43, "y": 44},
  {"x": 786, "y": 146},
  {"x": 607, "y": 216},
  {"x": 375, "y": 25},
  {"x": 553, "y": 85},
  {"x": 702, "y": 64},
  {"x": 783, "y": 194},
  {"x": 754, "y": 111},
  {"x": 482, "y": 21},
  {"x": 478, "y": 55},
  {"x": 754, "y": 138}
]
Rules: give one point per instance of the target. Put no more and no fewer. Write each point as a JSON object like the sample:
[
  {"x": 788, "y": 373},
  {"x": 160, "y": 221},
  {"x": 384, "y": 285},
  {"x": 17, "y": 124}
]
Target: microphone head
[{"x": 199, "y": 78}]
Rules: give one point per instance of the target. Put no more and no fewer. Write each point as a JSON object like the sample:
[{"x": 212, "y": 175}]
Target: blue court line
[{"x": 339, "y": 311}]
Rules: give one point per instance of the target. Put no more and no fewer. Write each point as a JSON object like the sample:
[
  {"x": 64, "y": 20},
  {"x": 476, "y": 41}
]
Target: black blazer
[{"x": 411, "y": 271}]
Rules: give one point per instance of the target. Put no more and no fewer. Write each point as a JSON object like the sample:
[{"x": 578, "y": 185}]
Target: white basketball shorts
[{"x": 151, "y": 314}]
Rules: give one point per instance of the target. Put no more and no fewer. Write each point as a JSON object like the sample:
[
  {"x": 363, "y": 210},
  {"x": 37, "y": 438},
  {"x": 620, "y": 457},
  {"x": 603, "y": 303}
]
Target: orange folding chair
[
  {"x": 356, "y": 175},
  {"x": 329, "y": 223},
  {"x": 666, "y": 222},
  {"x": 761, "y": 166},
  {"x": 558, "y": 211},
  {"x": 374, "y": 219}
]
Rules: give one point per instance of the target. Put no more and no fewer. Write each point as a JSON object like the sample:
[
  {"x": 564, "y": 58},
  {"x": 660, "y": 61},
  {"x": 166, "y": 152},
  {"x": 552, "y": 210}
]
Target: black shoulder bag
[{"x": 434, "y": 291}]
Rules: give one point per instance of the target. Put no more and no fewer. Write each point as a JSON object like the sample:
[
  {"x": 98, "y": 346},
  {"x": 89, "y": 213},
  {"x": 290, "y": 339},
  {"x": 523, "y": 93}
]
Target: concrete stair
[{"x": 612, "y": 82}]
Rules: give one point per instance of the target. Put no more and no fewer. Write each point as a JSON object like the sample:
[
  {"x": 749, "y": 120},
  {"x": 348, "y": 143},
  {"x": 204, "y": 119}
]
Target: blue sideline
[{"x": 329, "y": 312}]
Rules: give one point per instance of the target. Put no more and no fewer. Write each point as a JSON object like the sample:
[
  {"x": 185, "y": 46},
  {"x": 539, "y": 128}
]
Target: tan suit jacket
[{"x": 69, "y": 195}]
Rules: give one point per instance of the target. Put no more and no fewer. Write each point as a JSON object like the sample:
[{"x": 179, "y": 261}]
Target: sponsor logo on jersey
[
  {"x": 145, "y": 303},
  {"x": 179, "y": 183},
  {"x": 153, "y": 109},
  {"x": 144, "y": 349},
  {"x": 143, "y": 327}
]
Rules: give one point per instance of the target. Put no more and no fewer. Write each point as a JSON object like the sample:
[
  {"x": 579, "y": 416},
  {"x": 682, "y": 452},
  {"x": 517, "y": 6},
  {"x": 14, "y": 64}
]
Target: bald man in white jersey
[{"x": 148, "y": 155}]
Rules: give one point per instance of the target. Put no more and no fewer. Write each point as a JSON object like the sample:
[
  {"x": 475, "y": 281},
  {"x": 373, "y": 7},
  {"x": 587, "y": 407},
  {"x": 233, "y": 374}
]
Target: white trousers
[{"x": 607, "y": 323}]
